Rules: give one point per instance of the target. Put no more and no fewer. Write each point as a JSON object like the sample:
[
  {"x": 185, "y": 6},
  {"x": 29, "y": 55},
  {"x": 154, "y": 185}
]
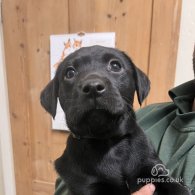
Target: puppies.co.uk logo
[{"x": 159, "y": 174}]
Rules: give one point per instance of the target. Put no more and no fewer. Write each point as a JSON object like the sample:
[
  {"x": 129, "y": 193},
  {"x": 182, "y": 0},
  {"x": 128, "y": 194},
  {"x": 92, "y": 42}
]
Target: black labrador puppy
[{"x": 107, "y": 152}]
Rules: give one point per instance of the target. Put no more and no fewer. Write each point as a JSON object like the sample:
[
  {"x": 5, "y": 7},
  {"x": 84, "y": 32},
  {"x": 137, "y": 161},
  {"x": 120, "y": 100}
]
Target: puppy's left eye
[{"x": 114, "y": 66}]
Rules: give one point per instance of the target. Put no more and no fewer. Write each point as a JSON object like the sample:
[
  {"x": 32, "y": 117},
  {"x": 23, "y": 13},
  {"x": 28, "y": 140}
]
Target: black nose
[{"x": 93, "y": 87}]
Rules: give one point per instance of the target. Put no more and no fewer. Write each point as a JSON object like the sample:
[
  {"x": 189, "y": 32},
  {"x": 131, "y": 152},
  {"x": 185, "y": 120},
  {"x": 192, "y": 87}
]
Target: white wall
[
  {"x": 7, "y": 178},
  {"x": 1, "y": 178},
  {"x": 184, "y": 70}
]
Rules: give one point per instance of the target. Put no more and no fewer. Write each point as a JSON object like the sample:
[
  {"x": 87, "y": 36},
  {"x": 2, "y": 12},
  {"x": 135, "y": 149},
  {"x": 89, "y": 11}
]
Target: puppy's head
[{"x": 95, "y": 86}]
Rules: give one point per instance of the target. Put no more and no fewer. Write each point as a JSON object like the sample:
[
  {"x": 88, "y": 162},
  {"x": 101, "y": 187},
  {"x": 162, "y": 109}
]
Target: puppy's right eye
[{"x": 70, "y": 73}]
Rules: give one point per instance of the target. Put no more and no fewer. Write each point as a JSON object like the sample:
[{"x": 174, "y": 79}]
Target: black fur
[{"x": 107, "y": 151}]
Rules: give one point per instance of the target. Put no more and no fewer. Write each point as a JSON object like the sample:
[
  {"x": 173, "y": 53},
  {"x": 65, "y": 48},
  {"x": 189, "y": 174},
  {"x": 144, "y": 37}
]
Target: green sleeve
[{"x": 173, "y": 136}]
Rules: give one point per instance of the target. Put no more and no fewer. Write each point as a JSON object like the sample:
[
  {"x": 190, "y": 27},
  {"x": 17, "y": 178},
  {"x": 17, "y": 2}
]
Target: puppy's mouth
[
  {"x": 100, "y": 115},
  {"x": 100, "y": 110},
  {"x": 97, "y": 118},
  {"x": 99, "y": 122}
]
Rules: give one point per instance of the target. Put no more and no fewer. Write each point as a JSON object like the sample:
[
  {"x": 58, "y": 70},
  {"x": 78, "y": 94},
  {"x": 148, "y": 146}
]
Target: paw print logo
[{"x": 159, "y": 170}]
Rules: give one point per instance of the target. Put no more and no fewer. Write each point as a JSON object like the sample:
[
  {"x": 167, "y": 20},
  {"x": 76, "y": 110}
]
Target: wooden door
[{"x": 146, "y": 29}]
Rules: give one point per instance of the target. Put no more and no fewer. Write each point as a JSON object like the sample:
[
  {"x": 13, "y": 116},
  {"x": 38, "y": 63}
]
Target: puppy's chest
[
  {"x": 102, "y": 161},
  {"x": 111, "y": 165}
]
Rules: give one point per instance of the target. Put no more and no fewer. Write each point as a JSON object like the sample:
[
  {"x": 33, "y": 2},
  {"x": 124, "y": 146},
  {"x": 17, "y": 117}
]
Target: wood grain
[
  {"x": 41, "y": 17},
  {"x": 27, "y": 26},
  {"x": 164, "y": 45},
  {"x": 17, "y": 75},
  {"x": 132, "y": 36},
  {"x": 42, "y": 188}
]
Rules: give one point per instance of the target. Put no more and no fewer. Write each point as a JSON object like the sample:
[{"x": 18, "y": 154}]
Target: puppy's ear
[
  {"x": 142, "y": 83},
  {"x": 49, "y": 96}
]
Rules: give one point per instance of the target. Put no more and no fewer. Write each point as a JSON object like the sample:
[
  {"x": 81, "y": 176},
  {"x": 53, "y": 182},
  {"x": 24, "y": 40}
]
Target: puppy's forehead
[{"x": 94, "y": 53}]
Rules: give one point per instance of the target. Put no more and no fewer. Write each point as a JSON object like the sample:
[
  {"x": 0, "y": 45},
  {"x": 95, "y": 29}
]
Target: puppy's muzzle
[{"x": 93, "y": 87}]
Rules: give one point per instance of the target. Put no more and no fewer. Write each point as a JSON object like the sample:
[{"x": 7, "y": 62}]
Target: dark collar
[
  {"x": 75, "y": 136},
  {"x": 78, "y": 137}
]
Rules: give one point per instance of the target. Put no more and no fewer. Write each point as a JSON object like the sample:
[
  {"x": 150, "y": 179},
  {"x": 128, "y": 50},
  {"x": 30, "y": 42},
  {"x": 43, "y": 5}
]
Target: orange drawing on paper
[
  {"x": 68, "y": 48},
  {"x": 77, "y": 44},
  {"x": 67, "y": 45}
]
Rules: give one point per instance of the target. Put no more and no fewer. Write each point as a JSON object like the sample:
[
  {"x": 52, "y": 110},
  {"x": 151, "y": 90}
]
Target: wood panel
[
  {"x": 164, "y": 45},
  {"x": 131, "y": 20},
  {"x": 27, "y": 25},
  {"x": 18, "y": 81},
  {"x": 41, "y": 17}
]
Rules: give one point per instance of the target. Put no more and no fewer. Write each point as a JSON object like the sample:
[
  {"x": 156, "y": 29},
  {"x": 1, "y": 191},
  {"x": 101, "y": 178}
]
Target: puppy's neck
[{"x": 127, "y": 126}]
